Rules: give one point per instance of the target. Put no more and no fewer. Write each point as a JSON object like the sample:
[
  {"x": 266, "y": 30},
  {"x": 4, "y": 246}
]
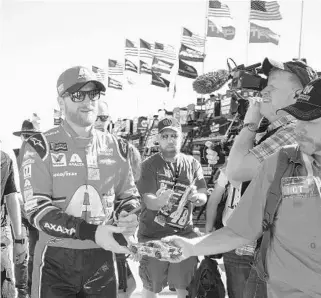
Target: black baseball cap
[
  {"x": 308, "y": 102},
  {"x": 298, "y": 67},
  {"x": 170, "y": 123}
]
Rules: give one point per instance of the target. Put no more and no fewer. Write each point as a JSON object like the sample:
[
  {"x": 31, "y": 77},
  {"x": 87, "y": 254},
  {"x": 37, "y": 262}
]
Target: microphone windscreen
[{"x": 210, "y": 82}]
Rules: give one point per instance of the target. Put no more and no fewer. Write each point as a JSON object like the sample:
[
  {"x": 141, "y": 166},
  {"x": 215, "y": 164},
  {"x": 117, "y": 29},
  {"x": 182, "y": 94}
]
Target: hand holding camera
[{"x": 253, "y": 114}]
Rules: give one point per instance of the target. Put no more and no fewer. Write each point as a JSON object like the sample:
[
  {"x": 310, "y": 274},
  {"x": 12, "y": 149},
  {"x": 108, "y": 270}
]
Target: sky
[{"x": 40, "y": 39}]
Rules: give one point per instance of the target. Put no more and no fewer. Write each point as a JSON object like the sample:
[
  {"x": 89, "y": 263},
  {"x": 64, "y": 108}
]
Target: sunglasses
[
  {"x": 80, "y": 96},
  {"x": 102, "y": 118}
]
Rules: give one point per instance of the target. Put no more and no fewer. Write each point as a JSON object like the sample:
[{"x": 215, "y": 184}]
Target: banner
[
  {"x": 226, "y": 32},
  {"x": 162, "y": 66},
  {"x": 259, "y": 34},
  {"x": 186, "y": 70},
  {"x": 190, "y": 54},
  {"x": 157, "y": 80}
]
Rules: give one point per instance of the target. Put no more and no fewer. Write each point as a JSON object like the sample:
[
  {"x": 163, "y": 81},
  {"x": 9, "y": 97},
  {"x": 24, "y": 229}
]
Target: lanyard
[{"x": 175, "y": 172}]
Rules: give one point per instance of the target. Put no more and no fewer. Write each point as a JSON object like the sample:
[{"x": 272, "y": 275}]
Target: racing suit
[{"x": 70, "y": 185}]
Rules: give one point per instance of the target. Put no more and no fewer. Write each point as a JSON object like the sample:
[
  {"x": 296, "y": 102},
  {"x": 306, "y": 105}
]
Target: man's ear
[{"x": 61, "y": 103}]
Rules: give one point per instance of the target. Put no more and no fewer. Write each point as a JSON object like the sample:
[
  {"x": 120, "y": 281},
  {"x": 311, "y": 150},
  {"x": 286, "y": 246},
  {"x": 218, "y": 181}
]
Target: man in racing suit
[{"x": 71, "y": 177}]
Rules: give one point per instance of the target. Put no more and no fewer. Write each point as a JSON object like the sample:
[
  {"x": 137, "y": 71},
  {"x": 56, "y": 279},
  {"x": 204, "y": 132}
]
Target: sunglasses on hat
[
  {"x": 102, "y": 118},
  {"x": 79, "y": 96}
]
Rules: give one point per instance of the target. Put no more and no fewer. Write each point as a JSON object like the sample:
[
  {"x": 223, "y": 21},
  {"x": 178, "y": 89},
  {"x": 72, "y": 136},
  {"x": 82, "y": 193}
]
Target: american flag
[
  {"x": 115, "y": 68},
  {"x": 145, "y": 49},
  {"x": 192, "y": 40},
  {"x": 164, "y": 51},
  {"x": 112, "y": 83},
  {"x": 131, "y": 48},
  {"x": 129, "y": 65},
  {"x": 162, "y": 66},
  {"x": 265, "y": 10},
  {"x": 145, "y": 67},
  {"x": 100, "y": 73},
  {"x": 218, "y": 10}
]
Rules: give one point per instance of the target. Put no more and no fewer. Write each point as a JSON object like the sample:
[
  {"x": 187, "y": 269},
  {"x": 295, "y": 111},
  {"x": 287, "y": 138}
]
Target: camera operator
[{"x": 284, "y": 79}]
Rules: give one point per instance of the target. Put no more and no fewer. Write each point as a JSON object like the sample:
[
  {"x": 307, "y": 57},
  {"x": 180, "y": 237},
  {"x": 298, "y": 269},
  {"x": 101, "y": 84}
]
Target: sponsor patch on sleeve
[
  {"x": 123, "y": 147},
  {"x": 39, "y": 144}
]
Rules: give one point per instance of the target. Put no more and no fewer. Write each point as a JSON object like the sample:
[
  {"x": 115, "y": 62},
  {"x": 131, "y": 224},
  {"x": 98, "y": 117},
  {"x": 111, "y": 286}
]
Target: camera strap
[{"x": 268, "y": 134}]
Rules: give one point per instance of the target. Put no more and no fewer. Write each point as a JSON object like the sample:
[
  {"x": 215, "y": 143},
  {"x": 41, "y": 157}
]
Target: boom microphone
[{"x": 211, "y": 81}]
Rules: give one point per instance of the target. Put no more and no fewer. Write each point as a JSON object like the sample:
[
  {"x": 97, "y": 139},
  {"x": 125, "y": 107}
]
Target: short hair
[{"x": 293, "y": 78}]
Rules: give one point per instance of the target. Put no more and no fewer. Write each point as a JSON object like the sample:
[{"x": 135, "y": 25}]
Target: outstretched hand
[
  {"x": 186, "y": 245},
  {"x": 104, "y": 237}
]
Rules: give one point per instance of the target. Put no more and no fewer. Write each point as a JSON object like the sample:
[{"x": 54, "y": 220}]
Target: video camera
[
  {"x": 247, "y": 78},
  {"x": 245, "y": 82}
]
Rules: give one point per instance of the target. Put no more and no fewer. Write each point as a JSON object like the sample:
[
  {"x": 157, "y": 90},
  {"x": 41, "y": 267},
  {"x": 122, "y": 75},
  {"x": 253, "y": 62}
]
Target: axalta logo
[
  {"x": 75, "y": 161},
  {"x": 59, "y": 229},
  {"x": 64, "y": 174}
]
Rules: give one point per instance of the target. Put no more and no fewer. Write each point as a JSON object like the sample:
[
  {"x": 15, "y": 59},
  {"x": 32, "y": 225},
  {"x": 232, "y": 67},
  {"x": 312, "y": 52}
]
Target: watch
[
  {"x": 251, "y": 126},
  {"x": 20, "y": 241}
]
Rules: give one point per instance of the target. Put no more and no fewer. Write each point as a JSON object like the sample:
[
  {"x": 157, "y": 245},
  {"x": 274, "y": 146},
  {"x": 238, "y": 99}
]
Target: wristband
[{"x": 20, "y": 241}]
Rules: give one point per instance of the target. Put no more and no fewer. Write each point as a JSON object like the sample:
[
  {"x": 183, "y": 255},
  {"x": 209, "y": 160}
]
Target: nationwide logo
[
  {"x": 64, "y": 174},
  {"x": 58, "y": 159},
  {"x": 58, "y": 146},
  {"x": 75, "y": 161}
]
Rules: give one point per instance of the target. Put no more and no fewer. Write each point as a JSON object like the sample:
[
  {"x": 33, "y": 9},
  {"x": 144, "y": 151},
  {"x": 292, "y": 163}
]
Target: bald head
[
  {"x": 102, "y": 118},
  {"x": 102, "y": 108}
]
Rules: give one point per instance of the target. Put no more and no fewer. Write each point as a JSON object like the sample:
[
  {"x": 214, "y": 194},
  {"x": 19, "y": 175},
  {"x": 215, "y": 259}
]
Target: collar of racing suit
[{"x": 80, "y": 142}]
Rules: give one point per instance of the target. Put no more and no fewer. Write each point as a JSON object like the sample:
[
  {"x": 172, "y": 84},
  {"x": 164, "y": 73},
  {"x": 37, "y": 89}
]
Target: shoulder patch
[
  {"x": 39, "y": 144},
  {"x": 123, "y": 147}
]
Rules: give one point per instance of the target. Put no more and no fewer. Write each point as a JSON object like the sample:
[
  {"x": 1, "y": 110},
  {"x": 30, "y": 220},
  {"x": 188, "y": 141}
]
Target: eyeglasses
[
  {"x": 80, "y": 96},
  {"x": 102, "y": 118},
  {"x": 172, "y": 136}
]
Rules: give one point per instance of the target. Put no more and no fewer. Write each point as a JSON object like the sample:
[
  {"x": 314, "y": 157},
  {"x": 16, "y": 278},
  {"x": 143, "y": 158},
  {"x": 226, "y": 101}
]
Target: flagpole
[
  {"x": 248, "y": 35},
  {"x": 205, "y": 33},
  {"x": 301, "y": 26}
]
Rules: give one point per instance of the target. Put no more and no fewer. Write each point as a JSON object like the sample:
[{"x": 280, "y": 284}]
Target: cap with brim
[
  {"x": 308, "y": 102},
  {"x": 78, "y": 86},
  {"x": 27, "y": 128},
  {"x": 170, "y": 127},
  {"x": 169, "y": 123},
  {"x": 303, "y": 111},
  {"x": 75, "y": 78},
  {"x": 304, "y": 72}
]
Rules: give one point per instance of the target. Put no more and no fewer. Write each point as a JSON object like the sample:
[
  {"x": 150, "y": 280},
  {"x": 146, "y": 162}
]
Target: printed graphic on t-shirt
[{"x": 170, "y": 214}]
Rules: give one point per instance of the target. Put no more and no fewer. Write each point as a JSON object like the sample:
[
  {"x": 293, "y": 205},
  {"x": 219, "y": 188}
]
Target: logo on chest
[
  {"x": 58, "y": 159},
  {"x": 75, "y": 161}
]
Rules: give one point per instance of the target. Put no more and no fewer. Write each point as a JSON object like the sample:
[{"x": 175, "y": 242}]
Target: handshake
[{"x": 106, "y": 235}]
